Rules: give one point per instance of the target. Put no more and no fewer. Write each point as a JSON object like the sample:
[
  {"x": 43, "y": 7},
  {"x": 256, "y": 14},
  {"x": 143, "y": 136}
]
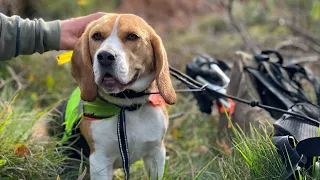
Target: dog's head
[{"x": 118, "y": 53}]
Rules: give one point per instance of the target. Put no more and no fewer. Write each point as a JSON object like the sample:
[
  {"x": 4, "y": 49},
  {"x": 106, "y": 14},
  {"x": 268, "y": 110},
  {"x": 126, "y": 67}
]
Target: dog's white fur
[{"x": 145, "y": 129}]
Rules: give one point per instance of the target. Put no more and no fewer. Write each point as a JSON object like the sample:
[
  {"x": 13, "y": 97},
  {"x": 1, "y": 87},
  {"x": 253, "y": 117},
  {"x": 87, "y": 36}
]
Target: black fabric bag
[
  {"x": 297, "y": 140},
  {"x": 279, "y": 85}
]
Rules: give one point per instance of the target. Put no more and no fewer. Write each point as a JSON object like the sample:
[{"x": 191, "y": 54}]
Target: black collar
[
  {"x": 130, "y": 94},
  {"x": 132, "y": 107}
]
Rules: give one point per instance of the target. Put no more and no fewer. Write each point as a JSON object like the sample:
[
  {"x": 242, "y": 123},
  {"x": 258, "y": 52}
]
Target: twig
[
  {"x": 81, "y": 177},
  {"x": 241, "y": 30},
  {"x": 292, "y": 43},
  {"x": 176, "y": 115},
  {"x": 309, "y": 36},
  {"x": 302, "y": 32},
  {"x": 14, "y": 77},
  {"x": 305, "y": 60}
]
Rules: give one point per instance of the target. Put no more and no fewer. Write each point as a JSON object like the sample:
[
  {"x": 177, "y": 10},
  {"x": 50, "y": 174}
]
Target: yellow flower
[{"x": 82, "y": 2}]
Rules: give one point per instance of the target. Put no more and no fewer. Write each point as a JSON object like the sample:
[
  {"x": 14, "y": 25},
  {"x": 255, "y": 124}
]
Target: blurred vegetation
[{"x": 191, "y": 140}]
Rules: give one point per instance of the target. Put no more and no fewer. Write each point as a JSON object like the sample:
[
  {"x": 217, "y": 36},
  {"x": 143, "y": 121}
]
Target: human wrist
[{"x": 66, "y": 36}]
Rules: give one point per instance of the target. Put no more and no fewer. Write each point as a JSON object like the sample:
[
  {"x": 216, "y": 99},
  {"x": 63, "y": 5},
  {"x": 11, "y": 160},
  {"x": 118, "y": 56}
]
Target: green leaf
[
  {"x": 315, "y": 12},
  {"x": 3, "y": 162},
  {"x": 50, "y": 82}
]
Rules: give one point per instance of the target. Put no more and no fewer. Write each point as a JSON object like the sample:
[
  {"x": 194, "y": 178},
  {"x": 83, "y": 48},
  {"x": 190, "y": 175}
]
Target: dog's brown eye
[
  {"x": 132, "y": 37},
  {"x": 97, "y": 36}
]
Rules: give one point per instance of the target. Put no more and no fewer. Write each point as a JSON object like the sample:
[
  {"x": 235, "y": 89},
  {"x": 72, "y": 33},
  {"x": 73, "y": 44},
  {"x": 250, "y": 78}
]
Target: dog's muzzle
[{"x": 106, "y": 58}]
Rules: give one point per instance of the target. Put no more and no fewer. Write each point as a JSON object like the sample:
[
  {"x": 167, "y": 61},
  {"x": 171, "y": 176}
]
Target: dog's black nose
[{"x": 105, "y": 57}]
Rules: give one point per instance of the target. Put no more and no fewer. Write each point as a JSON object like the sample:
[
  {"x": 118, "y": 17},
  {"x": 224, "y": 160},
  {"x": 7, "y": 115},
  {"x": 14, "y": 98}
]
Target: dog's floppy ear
[
  {"x": 162, "y": 70},
  {"x": 82, "y": 69}
]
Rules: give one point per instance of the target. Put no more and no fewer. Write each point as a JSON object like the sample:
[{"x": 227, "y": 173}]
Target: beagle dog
[{"x": 120, "y": 59}]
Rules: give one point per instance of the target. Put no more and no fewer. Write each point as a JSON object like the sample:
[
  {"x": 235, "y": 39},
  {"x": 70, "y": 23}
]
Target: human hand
[{"x": 72, "y": 29}]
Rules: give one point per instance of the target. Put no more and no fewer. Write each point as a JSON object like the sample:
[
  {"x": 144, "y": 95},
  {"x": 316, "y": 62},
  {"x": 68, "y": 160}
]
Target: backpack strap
[
  {"x": 268, "y": 52},
  {"x": 293, "y": 160},
  {"x": 270, "y": 86},
  {"x": 284, "y": 81},
  {"x": 314, "y": 81},
  {"x": 307, "y": 74},
  {"x": 286, "y": 76},
  {"x": 296, "y": 156}
]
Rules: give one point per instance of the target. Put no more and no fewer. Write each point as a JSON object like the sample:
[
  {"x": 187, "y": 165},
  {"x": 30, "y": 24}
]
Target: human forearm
[{"x": 34, "y": 36}]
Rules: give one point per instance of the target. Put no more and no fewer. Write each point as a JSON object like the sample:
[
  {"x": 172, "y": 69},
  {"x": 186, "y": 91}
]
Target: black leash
[
  {"x": 197, "y": 86},
  {"x": 121, "y": 130},
  {"x": 123, "y": 143},
  {"x": 122, "y": 139}
]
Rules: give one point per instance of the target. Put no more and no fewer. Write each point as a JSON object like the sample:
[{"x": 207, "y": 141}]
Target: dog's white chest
[{"x": 145, "y": 129}]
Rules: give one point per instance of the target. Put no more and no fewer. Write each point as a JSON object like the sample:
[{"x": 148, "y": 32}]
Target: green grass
[
  {"x": 255, "y": 157},
  {"x": 14, "y": 131}
]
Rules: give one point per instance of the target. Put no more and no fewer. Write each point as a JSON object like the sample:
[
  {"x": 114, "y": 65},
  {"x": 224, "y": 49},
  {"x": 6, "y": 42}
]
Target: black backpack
[{"x": 278, "y": 85}]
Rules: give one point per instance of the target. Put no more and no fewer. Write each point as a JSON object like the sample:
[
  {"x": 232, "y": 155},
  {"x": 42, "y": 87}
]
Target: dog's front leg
[
  {"x": 101, "y": 167},
  {"x": 154, "y": 162}
]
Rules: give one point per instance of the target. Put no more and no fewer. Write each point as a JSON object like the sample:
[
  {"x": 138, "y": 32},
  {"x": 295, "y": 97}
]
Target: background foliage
[{"x": 209, "y": 28}]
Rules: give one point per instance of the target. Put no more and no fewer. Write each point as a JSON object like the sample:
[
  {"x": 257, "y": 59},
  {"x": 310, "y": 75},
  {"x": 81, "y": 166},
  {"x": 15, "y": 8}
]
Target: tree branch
[
  {"x": 14, "y": 77},
  {"x": 300, "y": 31},
  {"x": 241, "y": 30}
]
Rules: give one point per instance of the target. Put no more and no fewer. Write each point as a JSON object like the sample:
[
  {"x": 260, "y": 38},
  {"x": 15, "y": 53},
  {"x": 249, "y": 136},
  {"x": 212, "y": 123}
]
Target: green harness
[
  {"x": 77, "y": 109},
  {"x": 100, "y": 109}
]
